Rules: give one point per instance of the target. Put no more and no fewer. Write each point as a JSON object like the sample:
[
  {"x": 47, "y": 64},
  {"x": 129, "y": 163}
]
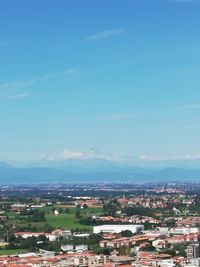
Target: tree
[
  {"x": 37, "y": 216},
  {"x": 60, "y": 210},
  {"x": 134, "y": 210},
  {"x": 180, "y": 249},
  {"x": 124, "y": 250},
  {"x": 67, "y": 210},
  {"x": 78, "y": 214},
  {"x": 104, "y": 251},
  {"x": 127, "y": 233},
  {"x": 110, "y": 208}
]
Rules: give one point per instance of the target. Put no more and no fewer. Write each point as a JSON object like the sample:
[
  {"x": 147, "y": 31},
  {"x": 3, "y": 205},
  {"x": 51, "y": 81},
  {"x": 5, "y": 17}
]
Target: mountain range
[{"x": 92, "y": 171}]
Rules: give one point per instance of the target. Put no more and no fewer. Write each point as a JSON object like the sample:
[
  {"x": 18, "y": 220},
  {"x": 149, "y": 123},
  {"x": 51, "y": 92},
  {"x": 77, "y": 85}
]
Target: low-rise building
[{"x": 118, "y": 228}]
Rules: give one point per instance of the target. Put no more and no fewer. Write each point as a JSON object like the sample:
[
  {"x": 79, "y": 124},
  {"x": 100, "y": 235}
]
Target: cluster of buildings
[
  {"x": 136, "y": 219},
  {"x": 45, "y": 259},
  {"x": 157, "y": 240},
  {"x": 146, "y": 248},
  {"x": 118, "y": 228},
  {"x": 157, "y": 202},
  {"x": 53, "y": 235}
]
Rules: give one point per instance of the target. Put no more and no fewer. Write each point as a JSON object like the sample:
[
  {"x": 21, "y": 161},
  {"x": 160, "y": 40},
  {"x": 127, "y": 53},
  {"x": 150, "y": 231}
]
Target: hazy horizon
[{"x": 112, "y": 80}]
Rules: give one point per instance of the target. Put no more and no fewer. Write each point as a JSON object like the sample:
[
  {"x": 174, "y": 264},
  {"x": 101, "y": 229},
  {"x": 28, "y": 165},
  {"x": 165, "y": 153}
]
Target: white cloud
[
  {"x": 170, "y": 158},
  {"x": 72, "y": 154},
  {"x": 64, "y": 155},
  {"x": 15, "y": 84},
  {"x": 105, "y": 35},
  {"x": 48, "y": 76},
  {"x": 189, "y": 106},
  {"x": 67, "y": 154},
  {"x": 21, "y": 96},
  {"x": 66, "y": 72}
]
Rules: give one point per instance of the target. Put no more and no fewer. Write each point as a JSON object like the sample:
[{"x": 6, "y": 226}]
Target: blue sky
[{"x": 110, "y": 79}]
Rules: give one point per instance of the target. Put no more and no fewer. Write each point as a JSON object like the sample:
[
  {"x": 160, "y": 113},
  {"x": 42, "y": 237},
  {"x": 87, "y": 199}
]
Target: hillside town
[{"x": 155, "y": 225}]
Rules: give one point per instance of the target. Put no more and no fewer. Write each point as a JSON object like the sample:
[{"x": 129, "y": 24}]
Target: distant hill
[{"x": 91, "y": 172}]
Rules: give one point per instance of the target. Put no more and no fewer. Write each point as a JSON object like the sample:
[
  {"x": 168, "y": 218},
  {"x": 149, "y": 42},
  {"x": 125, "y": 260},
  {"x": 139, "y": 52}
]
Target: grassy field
[
  {"x": 12, "y": 251},
  {"x": 65, "y": 221},
  {"x": 68, "y": 221},
  {"x": 95, "y": 210},
  {"x": 92, "y": 210}
]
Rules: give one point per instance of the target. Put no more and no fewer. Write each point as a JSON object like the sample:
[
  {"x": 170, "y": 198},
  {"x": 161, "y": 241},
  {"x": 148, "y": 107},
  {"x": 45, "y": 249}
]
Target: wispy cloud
[
  {"x": 64, "y": 155},
  {"x": 66, "y": 72},
  {"x": 170, "y": 158},
  {"x": 21, "y": 96},
  {"x": 188, "y": 106},
  {"x": 82, "y": 155},
  {"x": 68, "y": 154},
  {"x": 16, "y": 84},
  {"x": 47, "y": 76},
  {"x": 99, "y": 36},
  {"x": 105, "y": 35}
]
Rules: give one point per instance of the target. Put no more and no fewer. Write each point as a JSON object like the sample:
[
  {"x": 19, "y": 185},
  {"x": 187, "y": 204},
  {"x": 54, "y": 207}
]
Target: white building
[
  {"x": 166, "y": 263},
  {"x": 118, "y": 228},
  {"x": 67, "y": 248},
  {"x": 25, "y": 235},
  {"x": 56, "y": 212},
  {"x": 82, "y": 235},
  {"x": 183, "y": 230},
  {"x": 193, "y": 263},
  {"x": 81, "y": 248},
  {"x": 66, "y": 233}
]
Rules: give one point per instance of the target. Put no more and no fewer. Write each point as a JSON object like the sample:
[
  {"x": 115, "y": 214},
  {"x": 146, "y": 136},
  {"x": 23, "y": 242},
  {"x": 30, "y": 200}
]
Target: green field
[
  {"x": 88, "y": 211},
  {"x": 94, "y": 210},
  {"x": 12, "y": 251},
  {"x": 65, "y": 221},
  {"x": 69, "y": 221}
]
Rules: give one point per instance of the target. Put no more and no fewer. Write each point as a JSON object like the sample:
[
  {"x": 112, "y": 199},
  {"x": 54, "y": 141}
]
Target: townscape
[
  {"x": 99, "y": 133},
  {"x": 100, "y": 225}
]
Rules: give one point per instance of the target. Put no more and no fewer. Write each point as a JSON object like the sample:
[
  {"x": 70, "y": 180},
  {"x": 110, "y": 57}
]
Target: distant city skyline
[{"x": 114, "y": 80}]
